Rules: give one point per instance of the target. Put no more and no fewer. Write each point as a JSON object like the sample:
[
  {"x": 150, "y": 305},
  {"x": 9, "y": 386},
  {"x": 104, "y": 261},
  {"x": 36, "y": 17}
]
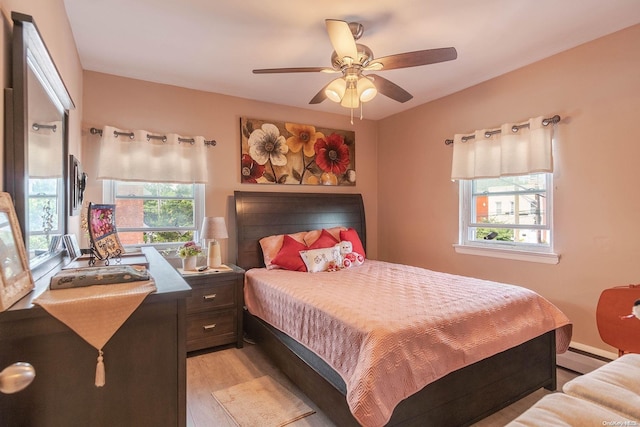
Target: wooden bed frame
[{"x": 460, "y": 398}]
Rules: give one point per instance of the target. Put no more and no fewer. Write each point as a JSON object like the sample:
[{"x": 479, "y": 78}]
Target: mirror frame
[{"x": 28, "y": 43}]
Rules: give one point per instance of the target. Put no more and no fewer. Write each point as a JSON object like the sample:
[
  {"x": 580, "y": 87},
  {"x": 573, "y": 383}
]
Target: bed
[{"x": 459, "y": 397}]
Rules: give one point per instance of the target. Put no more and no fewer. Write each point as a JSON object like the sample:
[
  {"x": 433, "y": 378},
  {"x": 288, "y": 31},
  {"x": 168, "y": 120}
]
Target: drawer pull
[
  {"x": 209, "y": 297},
  {"x": 207, "y": 327}
]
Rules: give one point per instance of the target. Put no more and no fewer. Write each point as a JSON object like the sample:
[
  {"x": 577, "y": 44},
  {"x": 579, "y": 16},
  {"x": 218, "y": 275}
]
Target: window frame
[
  {"x": 109, "y": 195},
  {"x": 502, "y": 249}
]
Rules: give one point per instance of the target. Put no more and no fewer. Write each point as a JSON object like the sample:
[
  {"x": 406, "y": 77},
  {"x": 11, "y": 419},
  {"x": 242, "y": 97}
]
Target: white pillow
[{"x": 318, "y": 260}]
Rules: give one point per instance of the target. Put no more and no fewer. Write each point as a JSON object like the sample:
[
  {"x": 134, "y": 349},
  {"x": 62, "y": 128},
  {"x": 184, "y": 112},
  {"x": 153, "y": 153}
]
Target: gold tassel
[{"x": 100, "y": 370}]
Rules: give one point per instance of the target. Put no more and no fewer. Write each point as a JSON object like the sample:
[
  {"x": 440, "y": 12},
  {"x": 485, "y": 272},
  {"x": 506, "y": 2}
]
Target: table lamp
[{"x": 213, "y": 228}]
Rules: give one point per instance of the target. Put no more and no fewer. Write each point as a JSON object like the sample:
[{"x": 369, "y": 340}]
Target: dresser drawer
[
  {"x": 211, "y": 296},
  {"x": 209, "y": 329}
]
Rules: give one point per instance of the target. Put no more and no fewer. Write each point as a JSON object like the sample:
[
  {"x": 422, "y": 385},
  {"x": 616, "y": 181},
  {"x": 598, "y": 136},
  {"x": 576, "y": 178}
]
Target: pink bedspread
[{"x": 391, "y": 329}]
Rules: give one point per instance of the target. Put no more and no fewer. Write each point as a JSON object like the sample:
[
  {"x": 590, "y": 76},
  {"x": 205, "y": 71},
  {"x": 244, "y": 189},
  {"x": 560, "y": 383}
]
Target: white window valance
[
  {"x": 514, "y": 149},
  {"x": 144, "y": 156}
]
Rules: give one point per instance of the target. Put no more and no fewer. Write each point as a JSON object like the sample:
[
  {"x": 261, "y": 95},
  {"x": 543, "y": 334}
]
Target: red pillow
[
  {"x": 326, "y": 240},
  {"x": 289, "y": 255},
  {"x": 351, "y": 235}
]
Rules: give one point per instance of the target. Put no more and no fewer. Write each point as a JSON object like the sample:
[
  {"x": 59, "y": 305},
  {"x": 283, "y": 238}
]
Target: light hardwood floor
[{"x": 224, "y": 368}]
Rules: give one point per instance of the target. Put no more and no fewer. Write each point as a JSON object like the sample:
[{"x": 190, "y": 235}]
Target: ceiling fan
[{"x": 353, "y": 60}]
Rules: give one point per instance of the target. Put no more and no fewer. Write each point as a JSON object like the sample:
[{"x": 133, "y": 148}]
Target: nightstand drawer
[
  {"x": 211, "y": 296},
  {"x": 209, "y": 329}
]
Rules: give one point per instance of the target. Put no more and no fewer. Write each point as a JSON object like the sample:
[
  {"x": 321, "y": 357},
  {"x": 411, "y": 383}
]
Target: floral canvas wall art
[{"x": 291, "y": 153}]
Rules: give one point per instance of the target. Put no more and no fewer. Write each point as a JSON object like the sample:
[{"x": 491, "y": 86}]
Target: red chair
[{"x": 615, "y": 326}]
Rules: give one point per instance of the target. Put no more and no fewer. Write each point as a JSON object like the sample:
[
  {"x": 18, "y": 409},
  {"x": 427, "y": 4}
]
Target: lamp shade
[
  {"x": 350, "y": 98},
  {"x": 213, "y": 228},
  {"x": 366, "y": 90},
  {"x": 335, "y": 89}
]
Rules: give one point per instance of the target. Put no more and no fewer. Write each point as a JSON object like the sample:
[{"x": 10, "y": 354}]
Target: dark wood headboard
[{"x": 261, "y": 214}]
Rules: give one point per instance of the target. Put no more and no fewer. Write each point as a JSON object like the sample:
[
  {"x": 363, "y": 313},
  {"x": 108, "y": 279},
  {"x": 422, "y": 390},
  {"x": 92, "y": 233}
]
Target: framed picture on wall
[
  {"x": 77, "y": 182},
  {"x": 274, "y": 152}
]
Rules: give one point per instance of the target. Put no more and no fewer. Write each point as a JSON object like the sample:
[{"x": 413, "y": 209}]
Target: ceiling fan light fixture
[
  {"x": 366, "y": 89},
  {"x": 336, "y": 89},
  {"x": 350, "y": 98}
]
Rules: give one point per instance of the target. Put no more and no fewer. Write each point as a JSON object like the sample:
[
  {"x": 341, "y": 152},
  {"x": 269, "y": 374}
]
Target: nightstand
[{"x": 214, "y": 310}]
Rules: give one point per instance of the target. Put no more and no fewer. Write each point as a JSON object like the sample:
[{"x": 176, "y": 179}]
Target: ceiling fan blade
[
  {"x": 419, "y": 57},
  {"x": 390, "y": 89},
  {"x": 294, "y": 70},
  {"x": 341, "y": 38},
  {"x": 320, "y": 96}
]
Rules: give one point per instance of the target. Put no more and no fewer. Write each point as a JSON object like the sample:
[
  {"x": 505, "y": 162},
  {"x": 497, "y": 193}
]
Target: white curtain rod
[
  {"x": 96, "y": 131},
  {"x": 515, "y": 128}
]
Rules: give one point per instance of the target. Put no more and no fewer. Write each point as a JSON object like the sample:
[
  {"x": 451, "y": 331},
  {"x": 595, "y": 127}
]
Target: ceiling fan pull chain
[{"x": 351, "y": 115}]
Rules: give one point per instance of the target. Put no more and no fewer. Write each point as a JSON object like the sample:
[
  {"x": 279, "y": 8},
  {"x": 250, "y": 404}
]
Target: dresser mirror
[{"x": 36, "y": 144}]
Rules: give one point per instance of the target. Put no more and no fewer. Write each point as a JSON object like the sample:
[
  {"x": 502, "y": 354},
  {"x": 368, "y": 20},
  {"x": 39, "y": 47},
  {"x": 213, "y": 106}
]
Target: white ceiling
[{"x": 213, "y": 45}]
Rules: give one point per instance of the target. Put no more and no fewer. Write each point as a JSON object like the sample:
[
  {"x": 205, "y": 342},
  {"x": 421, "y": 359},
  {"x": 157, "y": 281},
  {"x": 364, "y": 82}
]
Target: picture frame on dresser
[
  {"x": 103, "y": 232},
  {"x": 15, "y": 276}
]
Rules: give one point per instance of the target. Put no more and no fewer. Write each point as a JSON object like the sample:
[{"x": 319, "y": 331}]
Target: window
[
  {"x": 44, "y": 210},
  {"x": 526, "y": 226},
  {"x": 154, "y": 212}
]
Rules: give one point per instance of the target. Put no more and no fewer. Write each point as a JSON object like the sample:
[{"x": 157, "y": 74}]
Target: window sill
[{"x": 540, "y": 257}]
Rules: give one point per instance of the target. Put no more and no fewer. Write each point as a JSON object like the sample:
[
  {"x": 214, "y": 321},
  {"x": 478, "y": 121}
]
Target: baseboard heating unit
[{"x": 584, "y": 359}]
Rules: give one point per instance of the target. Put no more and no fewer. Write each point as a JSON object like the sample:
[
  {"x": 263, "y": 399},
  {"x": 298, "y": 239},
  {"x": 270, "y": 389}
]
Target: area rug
[{"x": 262, "y": 402}]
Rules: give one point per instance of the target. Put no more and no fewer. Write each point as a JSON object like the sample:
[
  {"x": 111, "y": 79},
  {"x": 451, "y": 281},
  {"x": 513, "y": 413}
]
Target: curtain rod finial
[{"x": 554, "y": 119}]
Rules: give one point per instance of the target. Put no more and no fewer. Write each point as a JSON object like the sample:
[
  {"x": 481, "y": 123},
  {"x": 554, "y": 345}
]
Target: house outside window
[
  {"x": 156, "y": 213},
  {"x": 526, "y": 227}
]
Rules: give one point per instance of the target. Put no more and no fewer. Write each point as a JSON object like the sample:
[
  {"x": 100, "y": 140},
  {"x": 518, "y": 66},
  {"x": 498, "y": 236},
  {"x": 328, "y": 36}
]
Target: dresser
[
  {"x": 145, "y": 362},
  {"x": 214, "y": 309}
]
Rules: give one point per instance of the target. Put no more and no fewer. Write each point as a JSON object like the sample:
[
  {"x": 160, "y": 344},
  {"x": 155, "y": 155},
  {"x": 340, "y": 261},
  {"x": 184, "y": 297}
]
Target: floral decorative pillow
[
  {"x": 271, "y": 245},
  {"x": 317, "y": 260}
]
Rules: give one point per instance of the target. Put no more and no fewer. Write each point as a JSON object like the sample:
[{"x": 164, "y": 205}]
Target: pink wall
[
  {"x": 595, "y": 88},
  {"x": 134, "y": 104}
]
